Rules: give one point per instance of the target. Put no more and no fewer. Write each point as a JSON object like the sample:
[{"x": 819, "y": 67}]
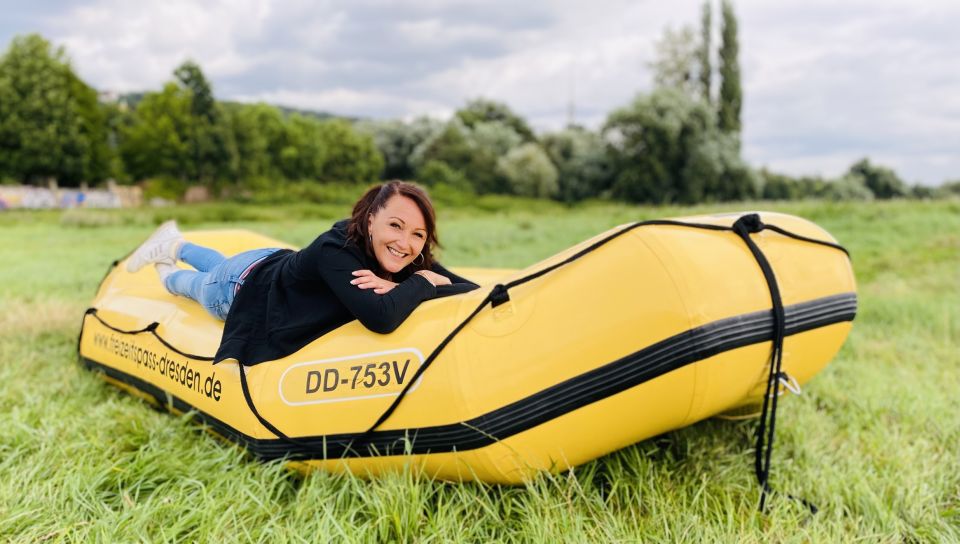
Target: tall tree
[
  {"x": 731, "y": 95},
  {"x": 304, "y": 154},
  {"x": 51, "y": 125},
  {"x": 653, "y": 139},
  {"x": 94, "y": 128},
  {"x": 258, "y": 133},
  {"x": 674, "y": 66},
  {"x": 202, "y": 102},
  {"x": 207, "y": 141},
  {"x": 703, "y": 52},
  {"x": 666, "y": 148},
  {"x": 156, "y": 139}
]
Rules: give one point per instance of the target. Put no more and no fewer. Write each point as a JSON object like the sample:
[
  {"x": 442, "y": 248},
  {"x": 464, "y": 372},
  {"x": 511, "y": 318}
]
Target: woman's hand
[
  {"x": 366, "y": 279},
  {"x": 433, "y": 277}
]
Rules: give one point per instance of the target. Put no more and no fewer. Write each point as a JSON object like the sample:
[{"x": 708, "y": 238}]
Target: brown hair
[{"x": 375, "y": 199}]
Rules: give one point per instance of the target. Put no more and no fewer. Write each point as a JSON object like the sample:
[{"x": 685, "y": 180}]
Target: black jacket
[{"x": 294, "y": 297}]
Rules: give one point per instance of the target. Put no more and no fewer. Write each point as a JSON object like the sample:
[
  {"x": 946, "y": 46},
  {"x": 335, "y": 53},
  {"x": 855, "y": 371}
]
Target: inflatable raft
[{"x": 645, "y": 328}]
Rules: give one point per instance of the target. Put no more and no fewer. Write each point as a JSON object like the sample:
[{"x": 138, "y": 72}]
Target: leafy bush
[
  {"x": 449, "y": 195},
  {"x": 882, "y": 182},
  {"x": 583, "y": 165},
  {"x": 949, "y": 188},
  {"x": 279, "y": 191},
  {"x": 396, "y": 141},
  {"x": 849, "y": 187},
  {"x": 351, "y": 156},
  {"x": 529, "y": 171},
  {"x": 480, "y": 111},
  {"x": 471, "y": 150},
  {"x": 165, "y": 187},
  {"x": 436, "y": 173}
]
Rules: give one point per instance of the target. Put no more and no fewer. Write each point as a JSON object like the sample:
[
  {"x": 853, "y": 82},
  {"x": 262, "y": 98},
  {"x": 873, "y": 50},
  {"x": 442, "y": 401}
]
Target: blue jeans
[{"x": 215, "y": 282}]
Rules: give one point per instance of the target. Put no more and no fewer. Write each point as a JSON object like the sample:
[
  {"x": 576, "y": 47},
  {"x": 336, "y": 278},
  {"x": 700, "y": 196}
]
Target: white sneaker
[{"x": 158, "y": 248}]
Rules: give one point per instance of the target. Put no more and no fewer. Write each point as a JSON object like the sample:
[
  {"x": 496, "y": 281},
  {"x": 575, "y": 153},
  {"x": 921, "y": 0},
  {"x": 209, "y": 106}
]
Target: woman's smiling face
[{"x": 398, "y": 233}]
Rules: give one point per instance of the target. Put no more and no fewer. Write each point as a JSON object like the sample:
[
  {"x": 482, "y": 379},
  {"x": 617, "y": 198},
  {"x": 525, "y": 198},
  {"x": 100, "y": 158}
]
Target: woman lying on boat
[{"x": 377, "y": 267}]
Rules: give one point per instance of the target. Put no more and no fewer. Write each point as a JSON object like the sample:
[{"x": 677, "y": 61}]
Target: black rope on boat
[
  {"x": 789, "y": 234},
  {"x": 263, "y": 421},
  {"x": 744, "y": 227},
  {"x": 152, "y": 329},
  {"x": 249, "y": 399}
]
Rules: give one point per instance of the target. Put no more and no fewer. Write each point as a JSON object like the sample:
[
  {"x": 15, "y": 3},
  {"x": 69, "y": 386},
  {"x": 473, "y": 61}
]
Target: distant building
[{"x": 108, "y": 97}]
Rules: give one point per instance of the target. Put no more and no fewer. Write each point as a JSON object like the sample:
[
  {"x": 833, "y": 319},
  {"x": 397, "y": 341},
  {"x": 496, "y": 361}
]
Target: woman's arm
[
  {"x": 379, "y": 313},
  {"x": 457, "y": 285}
]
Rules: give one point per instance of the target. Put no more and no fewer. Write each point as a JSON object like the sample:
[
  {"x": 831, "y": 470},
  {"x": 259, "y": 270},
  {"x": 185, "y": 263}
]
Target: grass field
[{"x": 874, "y": 440}]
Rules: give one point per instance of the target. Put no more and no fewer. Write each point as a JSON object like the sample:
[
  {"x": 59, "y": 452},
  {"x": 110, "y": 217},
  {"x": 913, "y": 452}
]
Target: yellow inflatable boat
[{"x": 642, "y": 329}]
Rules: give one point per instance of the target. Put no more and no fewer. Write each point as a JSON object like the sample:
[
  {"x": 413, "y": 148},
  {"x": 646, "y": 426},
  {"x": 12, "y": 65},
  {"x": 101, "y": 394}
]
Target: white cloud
[
  {"x": 348, "y": 100},
  {"x": 437, "y": 32},
  {"x": 872, "y": 80},
  {"x": 130, "y": 46}
]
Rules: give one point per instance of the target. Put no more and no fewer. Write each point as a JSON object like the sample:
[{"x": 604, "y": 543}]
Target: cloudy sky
[{"x": 825, "y": 82}]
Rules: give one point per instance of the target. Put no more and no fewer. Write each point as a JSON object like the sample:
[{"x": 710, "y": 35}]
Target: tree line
[{"x": 679, "y": 143}]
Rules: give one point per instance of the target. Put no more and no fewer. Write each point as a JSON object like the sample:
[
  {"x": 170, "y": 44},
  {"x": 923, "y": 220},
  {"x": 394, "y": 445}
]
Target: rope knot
[
  {"x": 749, "y": 223},
  {"x": 499, "y": 295}
]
